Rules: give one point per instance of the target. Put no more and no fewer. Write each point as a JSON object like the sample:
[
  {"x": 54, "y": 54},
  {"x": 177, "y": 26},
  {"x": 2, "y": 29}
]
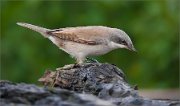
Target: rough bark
[{"x": 92, "y": 84}]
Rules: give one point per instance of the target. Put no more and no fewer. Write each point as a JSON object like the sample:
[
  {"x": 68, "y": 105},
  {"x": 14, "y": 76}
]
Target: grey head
[{"x": 120, "y": 39}]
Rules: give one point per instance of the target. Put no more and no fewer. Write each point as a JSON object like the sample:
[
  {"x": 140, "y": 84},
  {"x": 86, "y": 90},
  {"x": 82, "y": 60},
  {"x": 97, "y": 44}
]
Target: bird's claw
[{"x": 91, "y": 60}]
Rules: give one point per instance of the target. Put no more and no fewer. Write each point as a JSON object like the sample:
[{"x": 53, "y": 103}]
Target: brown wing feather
[{"x": 70, "y": 36}]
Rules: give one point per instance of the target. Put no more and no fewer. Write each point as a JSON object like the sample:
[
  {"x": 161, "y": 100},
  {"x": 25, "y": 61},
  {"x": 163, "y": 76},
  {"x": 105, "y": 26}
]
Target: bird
[{"x": 83, "y": 41}]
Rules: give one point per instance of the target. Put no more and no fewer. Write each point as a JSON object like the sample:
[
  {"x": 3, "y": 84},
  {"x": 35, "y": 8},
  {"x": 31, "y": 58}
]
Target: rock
[
  {"x": 27, "y": 94},
  {"x": 92, "y": 84}
]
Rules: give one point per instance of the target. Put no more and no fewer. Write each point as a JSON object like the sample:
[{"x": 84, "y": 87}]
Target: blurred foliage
[{"x": 152, "y": 26}]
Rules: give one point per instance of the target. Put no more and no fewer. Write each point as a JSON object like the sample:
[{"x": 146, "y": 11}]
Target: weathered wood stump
[
  {"x": 92, "y": 84},
  {"x": 105, "y": 81},
  {"x": 101, "y": 80}
]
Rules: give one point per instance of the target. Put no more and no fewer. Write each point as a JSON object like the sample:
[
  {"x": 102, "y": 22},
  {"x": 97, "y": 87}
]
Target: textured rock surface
[
  {"x": 26, "y": 94},
  {"x": 87, "y": 85}
]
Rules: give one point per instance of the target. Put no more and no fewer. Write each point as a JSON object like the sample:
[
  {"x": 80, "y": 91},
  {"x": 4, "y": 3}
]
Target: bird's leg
[
  {"x": 91, "y": 60},
  {"x": 79, "y": 62}
]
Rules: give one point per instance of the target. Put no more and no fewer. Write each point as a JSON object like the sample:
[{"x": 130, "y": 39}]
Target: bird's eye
[
  {"x": 123, "y": 42},
  {"x": 118, "y": 40}
]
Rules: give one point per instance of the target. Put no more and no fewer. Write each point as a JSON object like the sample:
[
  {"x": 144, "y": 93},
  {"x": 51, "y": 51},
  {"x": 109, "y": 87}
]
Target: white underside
[{"x": 81, "y": 51}]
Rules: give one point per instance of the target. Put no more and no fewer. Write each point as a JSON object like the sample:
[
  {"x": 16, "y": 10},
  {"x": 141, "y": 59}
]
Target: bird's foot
[{"x": 91, "y": 60}]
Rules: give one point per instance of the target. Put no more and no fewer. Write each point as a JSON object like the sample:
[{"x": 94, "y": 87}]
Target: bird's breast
[{"x": 76, "y": 49}]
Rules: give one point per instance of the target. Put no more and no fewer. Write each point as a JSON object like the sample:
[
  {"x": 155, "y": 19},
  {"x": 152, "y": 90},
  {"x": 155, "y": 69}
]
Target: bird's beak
[
  {"x": 134, "y": 49},
  {"x": 131, "y": 48}
]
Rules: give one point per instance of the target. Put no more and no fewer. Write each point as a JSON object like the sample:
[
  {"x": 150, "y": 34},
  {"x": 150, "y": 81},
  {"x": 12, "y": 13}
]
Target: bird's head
[{"x": 119, "y": 39}]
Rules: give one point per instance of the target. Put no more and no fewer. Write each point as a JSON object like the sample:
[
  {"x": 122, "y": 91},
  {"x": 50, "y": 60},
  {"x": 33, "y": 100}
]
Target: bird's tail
[{"x": 35, "y": 28}]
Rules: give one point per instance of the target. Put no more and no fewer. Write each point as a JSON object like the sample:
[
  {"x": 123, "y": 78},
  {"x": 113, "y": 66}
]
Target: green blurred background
[{"x": 152, "y": 26}]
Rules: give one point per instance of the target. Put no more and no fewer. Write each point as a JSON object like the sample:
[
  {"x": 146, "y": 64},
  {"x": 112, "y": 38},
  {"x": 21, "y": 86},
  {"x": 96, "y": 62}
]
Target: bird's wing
[{"x": 82, "y": 35}]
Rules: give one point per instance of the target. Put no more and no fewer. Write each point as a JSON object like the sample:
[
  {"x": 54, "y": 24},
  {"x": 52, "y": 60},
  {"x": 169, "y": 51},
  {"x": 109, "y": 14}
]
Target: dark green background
[{"x": 152, "y": 26}]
